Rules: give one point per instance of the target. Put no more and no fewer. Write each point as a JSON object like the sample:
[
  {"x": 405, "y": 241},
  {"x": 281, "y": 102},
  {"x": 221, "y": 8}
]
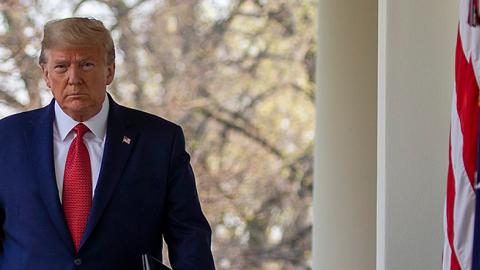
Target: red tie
[{"x": 77, "y": 186}]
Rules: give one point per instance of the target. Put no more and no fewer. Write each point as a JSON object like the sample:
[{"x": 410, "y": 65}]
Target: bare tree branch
[
  {"x": 255, "y": 137},
  {"x": 11, "y": 101}
]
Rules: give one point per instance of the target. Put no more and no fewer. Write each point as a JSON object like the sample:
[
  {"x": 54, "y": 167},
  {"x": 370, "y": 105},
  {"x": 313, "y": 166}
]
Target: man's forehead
[{"x": 75, "y": 53}]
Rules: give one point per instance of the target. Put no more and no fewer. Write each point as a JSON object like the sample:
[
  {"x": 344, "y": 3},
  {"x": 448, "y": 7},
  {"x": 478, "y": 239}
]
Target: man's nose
[{"x": 74, "y": 76}]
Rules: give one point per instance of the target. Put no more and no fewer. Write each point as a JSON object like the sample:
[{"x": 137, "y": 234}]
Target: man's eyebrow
[
  {"x": 86, "y": 58},
  {"x": 80, "y": 60},
  {"x": 60, "y": 61}
]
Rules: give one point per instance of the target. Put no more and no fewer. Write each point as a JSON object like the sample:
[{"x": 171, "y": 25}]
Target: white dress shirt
[{"x": 63, "y": 136}]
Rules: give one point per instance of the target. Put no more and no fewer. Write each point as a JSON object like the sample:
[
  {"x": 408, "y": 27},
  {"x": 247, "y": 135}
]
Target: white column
[
  {"x": 415, "y": 80},
  {"x": 345, "y": 150}
]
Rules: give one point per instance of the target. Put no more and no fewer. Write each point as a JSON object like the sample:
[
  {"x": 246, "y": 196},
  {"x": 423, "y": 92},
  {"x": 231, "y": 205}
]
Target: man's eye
[
  {"x": 88, "y": 66},
  {"x": 60, "y": 68}
]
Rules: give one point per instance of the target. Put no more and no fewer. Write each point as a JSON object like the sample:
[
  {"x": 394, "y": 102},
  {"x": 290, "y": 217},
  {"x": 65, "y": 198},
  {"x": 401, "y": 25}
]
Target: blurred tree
[{"x": 238, "y": 75}]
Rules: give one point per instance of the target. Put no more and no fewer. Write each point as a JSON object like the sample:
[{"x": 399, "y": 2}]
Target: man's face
[{"x": 78, "y": 78}]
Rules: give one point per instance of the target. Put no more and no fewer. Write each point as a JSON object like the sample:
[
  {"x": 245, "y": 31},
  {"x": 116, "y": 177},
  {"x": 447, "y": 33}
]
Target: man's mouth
[{"x": 76, "y": 95}]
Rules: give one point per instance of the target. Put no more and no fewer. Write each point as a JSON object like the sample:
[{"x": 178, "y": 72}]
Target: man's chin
[{"x": 78, "y": 104}]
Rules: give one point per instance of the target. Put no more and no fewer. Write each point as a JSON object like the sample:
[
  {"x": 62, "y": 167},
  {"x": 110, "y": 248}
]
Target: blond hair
[{"x": 77, "y": 32}]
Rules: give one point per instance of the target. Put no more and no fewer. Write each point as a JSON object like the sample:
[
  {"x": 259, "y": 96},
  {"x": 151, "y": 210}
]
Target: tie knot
[{"x": 81, "y": 129}]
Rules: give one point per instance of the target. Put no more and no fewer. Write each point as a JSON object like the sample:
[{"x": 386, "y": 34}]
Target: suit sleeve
[
  {"x": 187, "y": 232},
  {"x": 2, "y": 233}
]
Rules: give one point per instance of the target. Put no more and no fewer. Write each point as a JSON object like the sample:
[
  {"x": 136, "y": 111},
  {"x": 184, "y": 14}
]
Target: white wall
[
  {"x": 345, "y": 150},
  {"x": 380, "y": 175},
  {"x": 416, "y": 75}
]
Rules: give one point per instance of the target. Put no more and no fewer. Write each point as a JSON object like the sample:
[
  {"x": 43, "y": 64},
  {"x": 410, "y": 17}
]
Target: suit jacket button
[{"x": 77, "y": 261}]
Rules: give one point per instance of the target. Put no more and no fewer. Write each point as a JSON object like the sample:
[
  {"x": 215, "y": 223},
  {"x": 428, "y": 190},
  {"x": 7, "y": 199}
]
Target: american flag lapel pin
[{"x": 126, "y": 140}]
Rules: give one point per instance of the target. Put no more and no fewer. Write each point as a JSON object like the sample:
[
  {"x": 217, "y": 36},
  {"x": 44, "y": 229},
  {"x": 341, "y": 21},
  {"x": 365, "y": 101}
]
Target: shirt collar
[{"x": 97, "y": 124}]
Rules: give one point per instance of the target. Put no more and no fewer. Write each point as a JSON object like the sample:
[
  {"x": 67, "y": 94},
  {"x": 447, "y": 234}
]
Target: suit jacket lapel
[
  {"x": 120, "y": 140},
  {"x": 39, "y": 138}
]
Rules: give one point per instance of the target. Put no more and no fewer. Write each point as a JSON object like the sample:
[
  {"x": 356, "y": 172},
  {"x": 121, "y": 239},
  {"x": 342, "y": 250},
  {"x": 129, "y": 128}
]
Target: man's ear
[
  {"x": 110, "y": 73},
  {"x": 45, "y": 74}
]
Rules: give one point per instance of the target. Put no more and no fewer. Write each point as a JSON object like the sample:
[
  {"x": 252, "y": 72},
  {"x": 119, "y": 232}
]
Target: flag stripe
[
  {"x": 446, "y": 256},
  {"x": 462, "y": 206},
  {"x": 453, "y": 261}
]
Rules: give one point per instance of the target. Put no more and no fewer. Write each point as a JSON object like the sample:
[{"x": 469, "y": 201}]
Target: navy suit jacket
[{"x": 146, "y": 190}]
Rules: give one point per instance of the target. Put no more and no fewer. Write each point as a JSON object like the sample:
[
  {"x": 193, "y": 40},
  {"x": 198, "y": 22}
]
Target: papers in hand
[{"x": 152, "y": 263}]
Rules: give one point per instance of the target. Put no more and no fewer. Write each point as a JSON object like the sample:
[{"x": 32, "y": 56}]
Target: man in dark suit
[{"x": 88, "y": 184}]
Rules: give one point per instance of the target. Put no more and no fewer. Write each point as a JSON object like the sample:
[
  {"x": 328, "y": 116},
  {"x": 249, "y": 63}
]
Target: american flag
[
  {"x": 461, "y": 225},
  {"x": 126, "y": 140}
]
